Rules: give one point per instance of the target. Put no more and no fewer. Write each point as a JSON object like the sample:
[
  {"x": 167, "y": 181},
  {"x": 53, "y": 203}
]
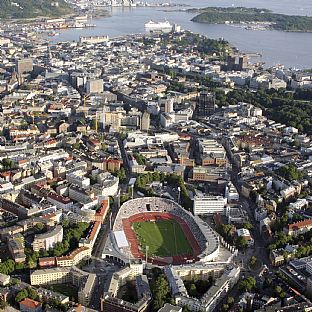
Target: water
[{"x": 276, "y": 47}]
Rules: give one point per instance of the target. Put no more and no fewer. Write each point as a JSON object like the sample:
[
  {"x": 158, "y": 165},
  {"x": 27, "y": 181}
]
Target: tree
[
  {"x": 122, "y": 174},
  {"x": 248, "y": 226},
  {"x": 290, "y": 172},
  {"x": 39, "y": 227},
  {"x": 241, "y": 242},
  {"x": 21, "y": 295},
  {"x": 7, "y": 163},
  {"x": 65, "y": 223},
  {"x": 193, "y": 291},
  {"x": 32, "y": 294},
  {"x": 248, "y": 284},
  {"x": 253, "y": 261},
  {"x": 230, "y": 301},
  {"x": 19, "y": 266},
  {"x": 76, "y": 146},
  {"x": 160, "y": 291}
]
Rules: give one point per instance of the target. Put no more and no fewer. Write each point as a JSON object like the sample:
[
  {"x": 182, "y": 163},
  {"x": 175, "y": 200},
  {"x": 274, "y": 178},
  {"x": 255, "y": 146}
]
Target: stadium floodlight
[
  {"x": 146, "y": 250},
  {"x": 179, "y": 192}
]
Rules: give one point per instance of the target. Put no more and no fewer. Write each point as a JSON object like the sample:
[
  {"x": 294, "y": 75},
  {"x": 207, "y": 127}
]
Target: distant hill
[{"x": 33, "y": 8}]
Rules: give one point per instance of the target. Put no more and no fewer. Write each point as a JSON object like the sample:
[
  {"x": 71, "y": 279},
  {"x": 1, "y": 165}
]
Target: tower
[
  {"x": 205, "y": 104},
  {"x": 145, "y": 121}
]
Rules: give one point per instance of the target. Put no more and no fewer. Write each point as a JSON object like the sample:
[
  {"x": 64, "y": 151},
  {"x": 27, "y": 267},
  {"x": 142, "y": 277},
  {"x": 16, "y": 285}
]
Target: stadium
[{"x": 160, "y": 231}]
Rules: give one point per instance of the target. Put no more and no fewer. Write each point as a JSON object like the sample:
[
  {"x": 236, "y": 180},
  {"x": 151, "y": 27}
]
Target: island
[
  {"x": 252, "y": 18},
  {"x": 33, "y": 8}
]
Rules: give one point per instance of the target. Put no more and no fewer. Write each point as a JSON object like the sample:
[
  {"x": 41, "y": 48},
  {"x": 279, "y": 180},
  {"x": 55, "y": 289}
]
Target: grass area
[
  {"x": 163, "y": 238},
  {"x": 66, "y": 289}
]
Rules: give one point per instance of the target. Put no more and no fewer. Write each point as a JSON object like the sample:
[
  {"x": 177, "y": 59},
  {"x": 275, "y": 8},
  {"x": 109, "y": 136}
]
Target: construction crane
[{"x": 96, "y": 122}]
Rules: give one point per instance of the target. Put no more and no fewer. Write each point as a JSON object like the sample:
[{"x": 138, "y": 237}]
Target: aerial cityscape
[{"x": 155, "y": 156}]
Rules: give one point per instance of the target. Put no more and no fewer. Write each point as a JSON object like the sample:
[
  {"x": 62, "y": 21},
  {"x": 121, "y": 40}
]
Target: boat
[
  {"x": 158, "y": 26},
  {"x": 53, "y": 33}
]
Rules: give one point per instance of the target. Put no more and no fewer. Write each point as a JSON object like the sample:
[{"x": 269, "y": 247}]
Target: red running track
[{"x": 150, "y": 216}]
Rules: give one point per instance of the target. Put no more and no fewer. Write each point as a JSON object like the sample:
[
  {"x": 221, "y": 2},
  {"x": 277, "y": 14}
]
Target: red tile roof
[
  {"x": 300, "y": 224},
  {"x": 30, "y": 303}
]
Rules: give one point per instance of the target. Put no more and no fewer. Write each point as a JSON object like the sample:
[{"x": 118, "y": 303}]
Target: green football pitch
[{"x": 164, "y": 238}]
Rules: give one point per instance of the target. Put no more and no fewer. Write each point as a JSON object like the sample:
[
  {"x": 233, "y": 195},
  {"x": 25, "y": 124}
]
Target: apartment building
[{"x": 47, "y": 240}]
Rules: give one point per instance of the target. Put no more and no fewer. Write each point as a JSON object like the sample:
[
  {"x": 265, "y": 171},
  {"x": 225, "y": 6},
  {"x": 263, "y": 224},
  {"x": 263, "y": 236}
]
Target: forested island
[
  {"x": 33, "y": 8},
  {"x": 238, "y": 15}
]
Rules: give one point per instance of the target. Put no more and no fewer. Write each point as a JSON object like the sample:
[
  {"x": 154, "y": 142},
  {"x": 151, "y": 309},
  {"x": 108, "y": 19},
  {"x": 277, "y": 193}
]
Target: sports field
[{"x": 163, "y": 237}]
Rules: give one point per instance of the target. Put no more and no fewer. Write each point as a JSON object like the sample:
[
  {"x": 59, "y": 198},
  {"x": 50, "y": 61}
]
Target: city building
[
  {"x": 205, "y": 104},
  {"x": 30, "y": 305},
  {"x": 94, "y": 86},
  {"x": 46, "y": 241},
  {"x": 24, "y": 66},
  {"x": 209, "y": 205},
  {"x": 145, "y": 121}
]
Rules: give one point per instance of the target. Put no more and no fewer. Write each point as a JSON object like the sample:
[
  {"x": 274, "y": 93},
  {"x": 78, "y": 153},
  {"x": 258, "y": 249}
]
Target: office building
[
  {"x": 24, "y": 66},
  {"x": 209, "y": 205},
  {"x": 205, "y": 104},
  {"x": 94, "y": 86}
]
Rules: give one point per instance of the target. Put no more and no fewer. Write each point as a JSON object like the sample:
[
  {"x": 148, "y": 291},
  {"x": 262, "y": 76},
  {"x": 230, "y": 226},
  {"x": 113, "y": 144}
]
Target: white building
[
  {"x": 209, "y": 301},
  {"x": 209, "y": 205},
  {"x": 231, "y": 193},
  {"x": 299, "y": 204},
  {"x": 47, "y": 240}
]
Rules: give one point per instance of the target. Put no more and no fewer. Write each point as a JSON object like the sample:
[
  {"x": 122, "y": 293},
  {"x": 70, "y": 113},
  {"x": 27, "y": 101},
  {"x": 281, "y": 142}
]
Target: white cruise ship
[{"x": 158, "y": 26}]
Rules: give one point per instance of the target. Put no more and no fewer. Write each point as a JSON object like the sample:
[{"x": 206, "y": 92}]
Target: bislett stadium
[{"x": 160, "y": 232}]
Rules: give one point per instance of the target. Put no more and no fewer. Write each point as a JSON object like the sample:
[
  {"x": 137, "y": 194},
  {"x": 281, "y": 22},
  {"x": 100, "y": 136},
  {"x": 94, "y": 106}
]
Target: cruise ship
[{"x": 158, "y": 26}]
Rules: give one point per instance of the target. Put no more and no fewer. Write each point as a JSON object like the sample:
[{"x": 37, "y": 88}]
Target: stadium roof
[{"x": 121, "y": 239}]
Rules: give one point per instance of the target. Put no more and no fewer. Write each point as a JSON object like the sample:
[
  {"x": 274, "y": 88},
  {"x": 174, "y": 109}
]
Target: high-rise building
[
  {"x": 205, "y": 104},
  {"x": 169, "y": 106},
  {"x": 237, "y": 62},
  {"x": 94, "y": 86},
  {"x": 145, "y": 121},
  {"x": 24, "y": 66}
]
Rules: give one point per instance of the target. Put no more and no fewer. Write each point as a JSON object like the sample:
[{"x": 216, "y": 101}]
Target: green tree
[
  {"x": 39, "y": 227},
  {"x": 122, "y": 174},
  {"x": 21, "y": 295},
  {"x": 241, "y": 242},
  {"x": 76, "y": 146},
  {"x": 248, "y": 284},
  {"x": 160, "y": 291},
  {"x": 248, "y": 226},
  {"x": 19, "y": 266},
  {"x": 193, "y": 291},
  {"x": 230, "y": 301},
  {"x": 290, "y": 172},
  {"x": 32, "y": 294},
  {"x": 253, "y": 261},
  {"x": 7, "y": 163}
]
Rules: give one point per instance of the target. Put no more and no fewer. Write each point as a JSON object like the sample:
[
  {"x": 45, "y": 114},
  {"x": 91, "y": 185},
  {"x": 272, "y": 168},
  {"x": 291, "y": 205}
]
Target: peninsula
[{"x": 251, "y": 16}]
